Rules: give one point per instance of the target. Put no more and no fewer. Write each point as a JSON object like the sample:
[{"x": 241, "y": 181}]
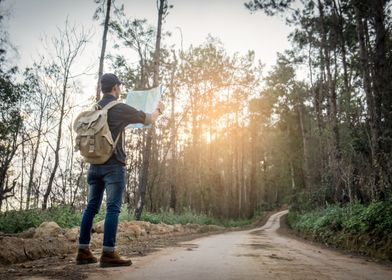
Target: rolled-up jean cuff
[
  {"x": 108, "y": 249},
  {"x": 84, "y": 246},
  {"x": 147, "y": 120}
]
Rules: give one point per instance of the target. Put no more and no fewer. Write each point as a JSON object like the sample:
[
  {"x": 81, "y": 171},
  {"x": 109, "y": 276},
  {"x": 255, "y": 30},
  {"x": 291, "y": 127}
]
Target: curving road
[{"x": 259, "y": 253}]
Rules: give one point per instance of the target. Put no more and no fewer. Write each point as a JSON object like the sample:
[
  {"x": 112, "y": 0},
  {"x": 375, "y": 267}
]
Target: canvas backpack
[{"x": 93, "y": 137}]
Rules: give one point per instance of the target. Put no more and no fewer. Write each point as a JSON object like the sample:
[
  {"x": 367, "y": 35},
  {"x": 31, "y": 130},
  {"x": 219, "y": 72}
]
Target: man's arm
[{"x": 130, "y": 115}]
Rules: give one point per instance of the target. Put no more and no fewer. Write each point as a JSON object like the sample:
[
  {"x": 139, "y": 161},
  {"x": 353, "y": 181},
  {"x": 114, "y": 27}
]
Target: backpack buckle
[{"x": 91, "y": 144}]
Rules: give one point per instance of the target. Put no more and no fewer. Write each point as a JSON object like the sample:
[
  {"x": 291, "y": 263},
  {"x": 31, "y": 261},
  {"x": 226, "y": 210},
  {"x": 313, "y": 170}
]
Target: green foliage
[
  {"x": 17, "y": 221},
  {"x": 376, "y": 219},
  {"x": 66, "y": 216},
  {"x": 189, "y": 217},
  {"x": 364, "y": 229}
]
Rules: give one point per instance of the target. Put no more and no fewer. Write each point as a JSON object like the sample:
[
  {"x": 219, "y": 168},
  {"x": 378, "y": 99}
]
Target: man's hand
[
  {"x": 161, "y": 107},
  {"x": 158, "y": 111}
]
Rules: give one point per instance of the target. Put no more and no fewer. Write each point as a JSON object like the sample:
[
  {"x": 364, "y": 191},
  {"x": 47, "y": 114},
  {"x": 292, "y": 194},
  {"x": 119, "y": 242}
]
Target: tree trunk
[
  {"x": 253, "y": 169},
  {"x": 58, "y": 143},
  {"x": 331, "y": 84},
  {"x": 22, "y": 175},
  {"x": 147, "y": 149},
  {"x": 173, "y": 138},
  {"x": 371, "y": 112},
  {"x": 305, "y": 166},
  {"x": 382, "y": 92},
  {"x": 5, "y": 164},
  {"x": 342, "y": 41},
  {"x": 103, "y": 49},
  {"x": 34, "y": 161}
]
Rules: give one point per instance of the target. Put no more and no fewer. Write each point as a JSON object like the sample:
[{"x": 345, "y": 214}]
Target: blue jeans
[{"x": 100, "y": 177}]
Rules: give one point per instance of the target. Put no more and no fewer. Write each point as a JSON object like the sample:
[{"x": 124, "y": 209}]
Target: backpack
[{"x": 93, "y": 137}]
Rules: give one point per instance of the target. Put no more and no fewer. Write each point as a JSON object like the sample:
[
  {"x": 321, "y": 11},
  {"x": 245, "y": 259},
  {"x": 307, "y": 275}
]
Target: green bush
[
  {"x": 17, "y": 221},
  {"x": 355, "y": 218},
  {"x": 354, "y": 221},
  {"x": 365, "y": 229}
]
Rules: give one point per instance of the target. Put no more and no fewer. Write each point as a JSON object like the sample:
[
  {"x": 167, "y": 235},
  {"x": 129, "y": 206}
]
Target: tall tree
[
  {"x": 348, "y": 55},
  {"x": 39, "y": 119},
  {"x": 68, "y": 46},
  {"x": 11, "y": 121},
  {"x": 163, "y": 8},
  {"x": 105, "y": 32}
]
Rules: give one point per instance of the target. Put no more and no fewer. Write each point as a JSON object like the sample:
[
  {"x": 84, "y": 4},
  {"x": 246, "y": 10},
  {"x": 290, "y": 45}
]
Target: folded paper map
[{"x": 145, "y": 100}]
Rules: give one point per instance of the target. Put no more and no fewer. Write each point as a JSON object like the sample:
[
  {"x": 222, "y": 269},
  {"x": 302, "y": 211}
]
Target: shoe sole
[
  {"x": 82, "y": 262},
  {"x": 103, "y": 265}
]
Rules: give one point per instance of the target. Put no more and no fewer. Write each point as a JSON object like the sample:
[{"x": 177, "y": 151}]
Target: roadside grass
[
  {"x": 66, "y": 217},
  {"x": 365, "y": 229},
  {"x": 356, "y": 218}
]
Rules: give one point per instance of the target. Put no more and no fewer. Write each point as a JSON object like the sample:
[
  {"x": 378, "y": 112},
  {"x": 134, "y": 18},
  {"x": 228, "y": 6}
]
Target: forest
[{"x": 235, "y": 140}]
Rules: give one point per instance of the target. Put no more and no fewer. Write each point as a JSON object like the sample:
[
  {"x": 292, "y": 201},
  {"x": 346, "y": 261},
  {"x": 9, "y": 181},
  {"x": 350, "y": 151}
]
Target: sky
[{"x": 239, "y": 30}]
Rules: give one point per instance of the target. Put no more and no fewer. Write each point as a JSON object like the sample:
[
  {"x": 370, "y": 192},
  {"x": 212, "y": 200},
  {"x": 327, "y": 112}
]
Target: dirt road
[{"x": 253, "y": 254}]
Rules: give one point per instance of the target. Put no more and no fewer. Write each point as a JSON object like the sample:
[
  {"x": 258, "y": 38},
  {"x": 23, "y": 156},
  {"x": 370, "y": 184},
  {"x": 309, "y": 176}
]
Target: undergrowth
[
  {"x": 375, "y": 218},
  {"x": 362, "y": 228},
  {"x": 66, "y": 216}
]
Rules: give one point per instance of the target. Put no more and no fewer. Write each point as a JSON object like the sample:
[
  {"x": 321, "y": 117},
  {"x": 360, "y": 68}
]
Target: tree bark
[
  {"x": 382, "y": 92},
  {"x": 147, "y": 149},
  {"x": 58, "y": 142},
  {"x": 103, "y": 49},
  {"x": 34, "y": 161},
  {"x": 331, "y": 84},
  {"x": 371, "y": 112}
]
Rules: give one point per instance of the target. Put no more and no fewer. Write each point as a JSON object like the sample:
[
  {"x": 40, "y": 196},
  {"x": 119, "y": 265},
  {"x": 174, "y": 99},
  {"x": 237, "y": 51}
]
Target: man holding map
[{"x": 111, "y": 174}]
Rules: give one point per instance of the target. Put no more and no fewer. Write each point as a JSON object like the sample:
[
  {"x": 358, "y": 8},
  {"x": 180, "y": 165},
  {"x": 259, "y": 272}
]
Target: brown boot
[
  {"x": 85, "y": 257},
  {"x": 109, "y": 259}
]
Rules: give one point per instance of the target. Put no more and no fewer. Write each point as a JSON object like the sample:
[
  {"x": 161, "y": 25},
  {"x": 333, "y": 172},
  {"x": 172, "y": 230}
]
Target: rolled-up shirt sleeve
[{"x": 147, "y": 120}]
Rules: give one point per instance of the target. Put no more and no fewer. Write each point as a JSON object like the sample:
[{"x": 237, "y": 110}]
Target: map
[{"x": 144, "y": 100}]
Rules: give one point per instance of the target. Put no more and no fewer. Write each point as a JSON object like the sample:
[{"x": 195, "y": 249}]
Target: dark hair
[
  {"x": 107, "y": 88},
  {"x": 108, "y": 81}
]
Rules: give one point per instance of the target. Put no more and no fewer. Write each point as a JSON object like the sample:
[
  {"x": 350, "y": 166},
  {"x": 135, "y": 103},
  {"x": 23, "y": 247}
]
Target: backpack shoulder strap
[
  {"x": 96, "y": 107},
  {"x": 116, "y": 141},
  {"x": 111, "y": 105}
]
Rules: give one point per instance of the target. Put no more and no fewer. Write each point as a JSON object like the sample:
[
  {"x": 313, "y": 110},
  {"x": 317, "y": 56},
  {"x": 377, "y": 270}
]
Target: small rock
[
  {"x": 134, "y": 230},
  {"x": 72, "y": 234},
  {"x": 144, "y": 225},
  {"x": 48, "y": 229},
  {"x": 26, "y": 265},
  {"x": 98, "y": 227}
]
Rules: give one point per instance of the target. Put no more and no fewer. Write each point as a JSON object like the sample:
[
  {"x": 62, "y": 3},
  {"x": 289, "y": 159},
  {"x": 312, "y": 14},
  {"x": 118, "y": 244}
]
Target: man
[{"x": 109, "y": 176}]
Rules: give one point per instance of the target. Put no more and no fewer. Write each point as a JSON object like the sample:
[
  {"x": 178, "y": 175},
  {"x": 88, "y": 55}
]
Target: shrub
[
  {"x": 355, "y": 218},
  {"x": 17, "y": 221}
]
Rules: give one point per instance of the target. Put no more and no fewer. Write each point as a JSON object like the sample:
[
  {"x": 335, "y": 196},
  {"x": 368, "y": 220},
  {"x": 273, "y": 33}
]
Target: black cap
[{"x": 108, "y": 81}]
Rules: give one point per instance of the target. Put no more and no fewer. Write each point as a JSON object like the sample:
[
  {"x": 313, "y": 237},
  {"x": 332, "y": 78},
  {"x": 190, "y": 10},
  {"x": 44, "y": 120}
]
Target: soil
[
  {"x": 268, "y": 251},
  {"x": 64, "y": 267}
]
